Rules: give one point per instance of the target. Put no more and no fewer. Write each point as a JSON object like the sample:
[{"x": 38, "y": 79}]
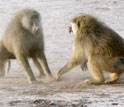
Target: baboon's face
[
  {"x": 79, "y": 22},
  {"x": 31, "y": 22},
  {"x": 74, "y": 28}
]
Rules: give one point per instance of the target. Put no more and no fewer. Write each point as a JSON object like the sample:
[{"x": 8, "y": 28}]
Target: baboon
[
  {"x": 24, "y": 39},
  {"x": 119, "y": 64},
  {"x": 95, "y": 43}
]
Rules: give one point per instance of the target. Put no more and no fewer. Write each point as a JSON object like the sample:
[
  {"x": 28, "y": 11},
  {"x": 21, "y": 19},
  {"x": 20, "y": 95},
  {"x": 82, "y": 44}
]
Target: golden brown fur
[
  {"x": 98, "y": 44},
  {"x": 24, "y": 38}
]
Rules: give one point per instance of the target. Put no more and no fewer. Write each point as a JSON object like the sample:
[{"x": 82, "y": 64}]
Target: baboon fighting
[
  {"x": 24, "y": 39},
  {"x": 97, "y": 44}
]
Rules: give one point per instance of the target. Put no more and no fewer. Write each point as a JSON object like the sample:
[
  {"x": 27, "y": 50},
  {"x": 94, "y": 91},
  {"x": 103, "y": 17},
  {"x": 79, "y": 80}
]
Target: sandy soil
[{"x": 70, "y": 91}]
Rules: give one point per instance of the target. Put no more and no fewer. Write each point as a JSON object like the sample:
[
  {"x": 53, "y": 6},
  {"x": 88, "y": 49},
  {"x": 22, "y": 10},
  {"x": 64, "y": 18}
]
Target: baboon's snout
[{"x": 36, "y": 30}]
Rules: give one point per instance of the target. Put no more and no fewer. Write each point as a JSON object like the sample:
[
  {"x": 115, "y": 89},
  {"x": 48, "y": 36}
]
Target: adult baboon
[
  {"x": 96, "y": 43},
  {"x": 24, "y": 38}
]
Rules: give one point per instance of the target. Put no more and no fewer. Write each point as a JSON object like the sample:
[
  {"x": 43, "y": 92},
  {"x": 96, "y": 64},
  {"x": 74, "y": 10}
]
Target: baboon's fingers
[{"x": 84, "y": 66}]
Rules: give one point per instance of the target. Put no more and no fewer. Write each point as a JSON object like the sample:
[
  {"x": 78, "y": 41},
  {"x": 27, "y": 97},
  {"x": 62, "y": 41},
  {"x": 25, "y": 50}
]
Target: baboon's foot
[
  {"x": 110, "y": 82},
  {"x": 92, "y": 82},
  {"x": 113, "y": 78},
  {"x": 57, "y": 77}
]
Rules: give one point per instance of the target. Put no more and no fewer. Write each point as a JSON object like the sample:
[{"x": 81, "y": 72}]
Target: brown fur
[
  {"x": 98, "y": 44},
  {"x": 21, "y": 42}
]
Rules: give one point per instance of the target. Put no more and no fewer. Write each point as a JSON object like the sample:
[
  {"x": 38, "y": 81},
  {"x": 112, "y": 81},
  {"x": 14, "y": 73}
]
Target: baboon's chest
[
  {"x": 31, "y": 44},
  {"x": 80, "y": 52}
]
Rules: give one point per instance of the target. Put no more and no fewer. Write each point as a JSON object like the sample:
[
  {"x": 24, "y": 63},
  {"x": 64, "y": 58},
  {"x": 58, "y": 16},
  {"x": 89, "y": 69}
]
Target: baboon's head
[
  {"x": 30, "y": 20},
  {"x": 80, "y": 22}
]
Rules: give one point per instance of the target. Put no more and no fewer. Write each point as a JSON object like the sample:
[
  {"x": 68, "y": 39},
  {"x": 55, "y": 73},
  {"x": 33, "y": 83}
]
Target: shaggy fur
[
  {"x": 23, "y": 38},
  {"x": 97, "y": 43}
]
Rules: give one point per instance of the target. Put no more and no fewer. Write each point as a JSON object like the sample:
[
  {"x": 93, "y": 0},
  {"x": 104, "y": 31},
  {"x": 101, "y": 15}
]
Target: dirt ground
[
  {"x": 16, "y": 92},
  {"x": 56, "y": 15}
]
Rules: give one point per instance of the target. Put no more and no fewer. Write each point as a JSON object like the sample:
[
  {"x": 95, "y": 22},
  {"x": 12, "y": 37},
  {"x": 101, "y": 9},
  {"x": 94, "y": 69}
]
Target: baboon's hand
[{"x": 84, "y": 66}]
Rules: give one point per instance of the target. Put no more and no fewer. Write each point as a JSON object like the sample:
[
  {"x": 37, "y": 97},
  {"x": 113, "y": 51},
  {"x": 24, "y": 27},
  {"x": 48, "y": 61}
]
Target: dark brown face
[{"x": 31, "y": 22}]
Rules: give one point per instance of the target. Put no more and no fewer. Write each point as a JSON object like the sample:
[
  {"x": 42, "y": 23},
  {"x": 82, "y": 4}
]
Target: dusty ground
[{"x": 56, "y": 17}]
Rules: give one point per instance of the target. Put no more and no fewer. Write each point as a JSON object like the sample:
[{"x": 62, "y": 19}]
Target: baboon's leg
[
  {"x": 97, "y": 74},
  {"x": 42, "y": 60},
  {"x": 113, "y": 78},
  {"x": 25, "y": 64},
  {"x": 39, "y": 68},
  {"x": 2, "y": 68},
  {"x": 71, "y": 63}
]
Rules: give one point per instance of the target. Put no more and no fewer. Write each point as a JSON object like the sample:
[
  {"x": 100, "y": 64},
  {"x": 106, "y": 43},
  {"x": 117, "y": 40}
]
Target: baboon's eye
[{"x": 79, "y": 24}]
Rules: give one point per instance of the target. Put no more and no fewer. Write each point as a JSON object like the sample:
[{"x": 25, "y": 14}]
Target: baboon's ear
[{"x": 78, "y": 24}]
